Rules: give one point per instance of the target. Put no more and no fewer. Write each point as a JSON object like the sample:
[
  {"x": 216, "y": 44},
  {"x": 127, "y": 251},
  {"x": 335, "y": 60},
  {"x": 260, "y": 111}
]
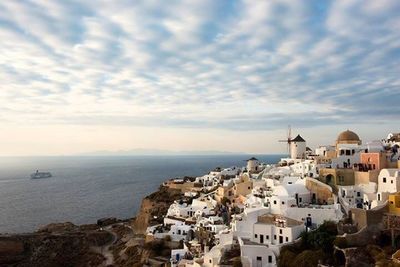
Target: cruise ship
[{"x": 40, "y": 175}]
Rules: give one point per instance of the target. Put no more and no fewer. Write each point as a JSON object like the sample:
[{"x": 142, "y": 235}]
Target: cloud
[{"x": 241, "y": 65}]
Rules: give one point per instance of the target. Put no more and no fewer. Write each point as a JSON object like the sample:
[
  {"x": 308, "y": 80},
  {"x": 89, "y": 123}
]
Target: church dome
[{"x": 348, "y": 137}]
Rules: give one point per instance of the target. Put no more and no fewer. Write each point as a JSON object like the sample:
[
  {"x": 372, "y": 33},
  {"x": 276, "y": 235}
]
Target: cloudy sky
[{"x": 80, "y": 76}]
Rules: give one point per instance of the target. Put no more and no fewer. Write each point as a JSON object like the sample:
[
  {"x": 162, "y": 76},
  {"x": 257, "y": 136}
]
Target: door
[
  {"x": 280, "y": 239},
  {"x": 262, "y": 239},
  {"x": 259, "y": 262}
]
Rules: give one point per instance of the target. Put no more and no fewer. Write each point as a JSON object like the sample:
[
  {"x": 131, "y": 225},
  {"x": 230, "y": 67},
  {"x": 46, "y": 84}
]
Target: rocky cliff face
[
  {"x": 55, "y": 245},
  {"x": 154, "y": 207},
  {"x": 115, "y": 243}
]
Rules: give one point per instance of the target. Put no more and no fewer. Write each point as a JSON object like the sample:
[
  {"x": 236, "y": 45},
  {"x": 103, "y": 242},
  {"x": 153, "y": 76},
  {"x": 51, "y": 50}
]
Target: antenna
[{"x": 289, "y": 139}]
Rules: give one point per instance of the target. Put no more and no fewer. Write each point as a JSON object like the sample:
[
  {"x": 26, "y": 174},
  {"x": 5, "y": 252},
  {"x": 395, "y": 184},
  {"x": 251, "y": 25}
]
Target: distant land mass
[{"x": 158, "y": 152}]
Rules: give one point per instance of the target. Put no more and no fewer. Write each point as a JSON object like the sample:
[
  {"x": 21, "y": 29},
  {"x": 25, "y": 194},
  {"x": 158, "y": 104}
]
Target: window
[
  {"x": 275, "y": 237},
  {"x": 274, "y": 201},
  {"x": 267, "y": 237},
  {"x": 283, "y": 202},
  {"x": 210, "y": 261},
  {"x": 248, "y": 187},
  {"x": 259, "y": 258},
  {"x": 255, "y": 236},
  {"x": 270, "y": 259},
  {"x": 300, "y": 199},
  {"x": 391, "y": 181},
  {"x": 379, "y": 197},
  {"x": 384, "y": 179},
  {"x": 280, "y": 231},
  {"x": 287, "y": 239},
  {"x": 358, "y": 194}
]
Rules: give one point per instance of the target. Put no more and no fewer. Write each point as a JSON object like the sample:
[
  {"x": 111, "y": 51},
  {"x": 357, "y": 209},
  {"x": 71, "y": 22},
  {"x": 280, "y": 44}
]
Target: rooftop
[
  {"x": 298, "y": 138},
  {"x": 348, "y": 136},
  {"x": 277, "y": 220}
]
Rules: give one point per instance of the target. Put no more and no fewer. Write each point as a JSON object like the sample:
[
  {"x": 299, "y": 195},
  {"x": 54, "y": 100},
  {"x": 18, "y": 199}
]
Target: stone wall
[
  {"x": 365, "y": 218},
  {"x": 366, "y": 177},
  {"x": 154, "y": 207},
  {"x": 323, "y": 192}
]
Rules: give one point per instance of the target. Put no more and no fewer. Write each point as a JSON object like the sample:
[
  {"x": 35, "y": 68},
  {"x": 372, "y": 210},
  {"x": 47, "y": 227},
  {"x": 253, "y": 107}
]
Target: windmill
[{"x": 288, "y": 140}]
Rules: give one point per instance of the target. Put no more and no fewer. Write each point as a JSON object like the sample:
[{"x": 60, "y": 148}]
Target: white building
[
  {"x": 323, "y": 151},
  {"x": 389, "y": 180},
  {"x": 196, "y": 209},
  {"x": 388, "y": 183},
  {"x": 357, "y": 196},
  {"x": 177, "y": 229},
  {"x": 269, "y": 233},
  {"x": 242, "y": 224},
  {"x": 213, "y": 224},
  {"x": 253, "y": 165},
  {"x": 208, "y": 180},
  {"x": 178, "y": 254},
  {"x": 298, "y": 148},
  {"x": 213, "y": 257}
]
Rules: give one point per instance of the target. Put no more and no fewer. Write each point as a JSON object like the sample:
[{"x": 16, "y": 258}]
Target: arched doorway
[{"x": 329, "y": 179}]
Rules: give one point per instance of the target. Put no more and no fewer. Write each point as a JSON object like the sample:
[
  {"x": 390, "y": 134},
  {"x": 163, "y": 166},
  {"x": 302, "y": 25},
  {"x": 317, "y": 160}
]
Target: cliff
[
  {"x": 54, "y": 245},
  {"x": 110, "y": 242},
  {"x": 154, "y": 207}
]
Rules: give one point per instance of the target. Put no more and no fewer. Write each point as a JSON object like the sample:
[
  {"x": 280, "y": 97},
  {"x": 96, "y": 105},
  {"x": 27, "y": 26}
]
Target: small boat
[{"x": 40, "y": 175}]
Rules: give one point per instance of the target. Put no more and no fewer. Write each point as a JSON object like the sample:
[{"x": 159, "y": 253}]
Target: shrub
[
  {"x": 340, "y": 242},
  {"x": 237, "y": 262},
  {"x": 308, "y": 258},
  {"x": 286, "y": 257}
]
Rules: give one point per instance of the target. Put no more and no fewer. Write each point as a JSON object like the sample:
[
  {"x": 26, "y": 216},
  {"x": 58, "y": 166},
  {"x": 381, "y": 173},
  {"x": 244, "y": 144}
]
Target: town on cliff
[{"x": 336, "y": 205}]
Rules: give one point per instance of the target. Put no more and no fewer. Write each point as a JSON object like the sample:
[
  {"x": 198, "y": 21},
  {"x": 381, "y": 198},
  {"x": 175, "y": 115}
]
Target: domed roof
[{"x": 348, "y": 136}]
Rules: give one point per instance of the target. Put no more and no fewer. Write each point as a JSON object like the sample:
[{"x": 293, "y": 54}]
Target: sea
[{"x": 86, "y": 188}]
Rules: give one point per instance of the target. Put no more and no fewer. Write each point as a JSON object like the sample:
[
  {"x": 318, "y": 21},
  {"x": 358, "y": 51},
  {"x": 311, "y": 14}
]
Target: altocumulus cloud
[{"x": 210, "y": 64}]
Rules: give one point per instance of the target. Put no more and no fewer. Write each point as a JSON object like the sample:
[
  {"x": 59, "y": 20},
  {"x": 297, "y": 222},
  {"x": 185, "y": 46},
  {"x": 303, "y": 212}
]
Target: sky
[{"x": 83, "y": 76}]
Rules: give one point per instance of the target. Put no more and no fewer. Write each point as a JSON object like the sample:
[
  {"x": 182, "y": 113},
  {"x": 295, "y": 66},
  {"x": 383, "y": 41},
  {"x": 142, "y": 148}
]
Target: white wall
[
  {"x": 250, "y": 254},
  {"x": 297, "y": 150},
  {"x": 387, "y": 182},
  {"x": 318, "y": 215}
]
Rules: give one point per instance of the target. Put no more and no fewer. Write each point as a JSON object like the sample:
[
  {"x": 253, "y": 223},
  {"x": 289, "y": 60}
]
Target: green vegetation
[
  {"x": 225, "y": 201},
  {"x": 314, "y": 247}
]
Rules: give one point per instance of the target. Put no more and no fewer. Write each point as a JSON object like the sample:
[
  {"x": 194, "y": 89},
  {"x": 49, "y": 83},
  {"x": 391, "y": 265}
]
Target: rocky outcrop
[
  {"x": 53, "y": 245},
  {"x": 110, "y": 240},
  {"x": 154, "y": 207}
]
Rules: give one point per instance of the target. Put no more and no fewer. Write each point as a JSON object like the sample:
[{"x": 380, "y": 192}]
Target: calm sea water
[{"x": 85, "y": 189}]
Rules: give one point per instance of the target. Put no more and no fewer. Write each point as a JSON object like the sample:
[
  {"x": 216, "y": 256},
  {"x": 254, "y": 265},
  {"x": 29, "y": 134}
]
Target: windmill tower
[
  {"x": 296, "y": 147},
  {"x": 288, "y": 140}
]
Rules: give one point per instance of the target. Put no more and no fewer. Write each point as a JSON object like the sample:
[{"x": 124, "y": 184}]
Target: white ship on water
[{"x": 40, "y": 175}]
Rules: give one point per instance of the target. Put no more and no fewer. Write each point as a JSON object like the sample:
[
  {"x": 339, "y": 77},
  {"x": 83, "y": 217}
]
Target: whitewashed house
[
  {"x": 388, "y": 183},
  {"x": 389, "y": 180},
  {"x": 268, "y": 234},
  {"x": 197, "y": 208},
  {"x": 213, "y": 224},
  {"x": 242, "y": 224},
  {"x": 348, "y": 155}
]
